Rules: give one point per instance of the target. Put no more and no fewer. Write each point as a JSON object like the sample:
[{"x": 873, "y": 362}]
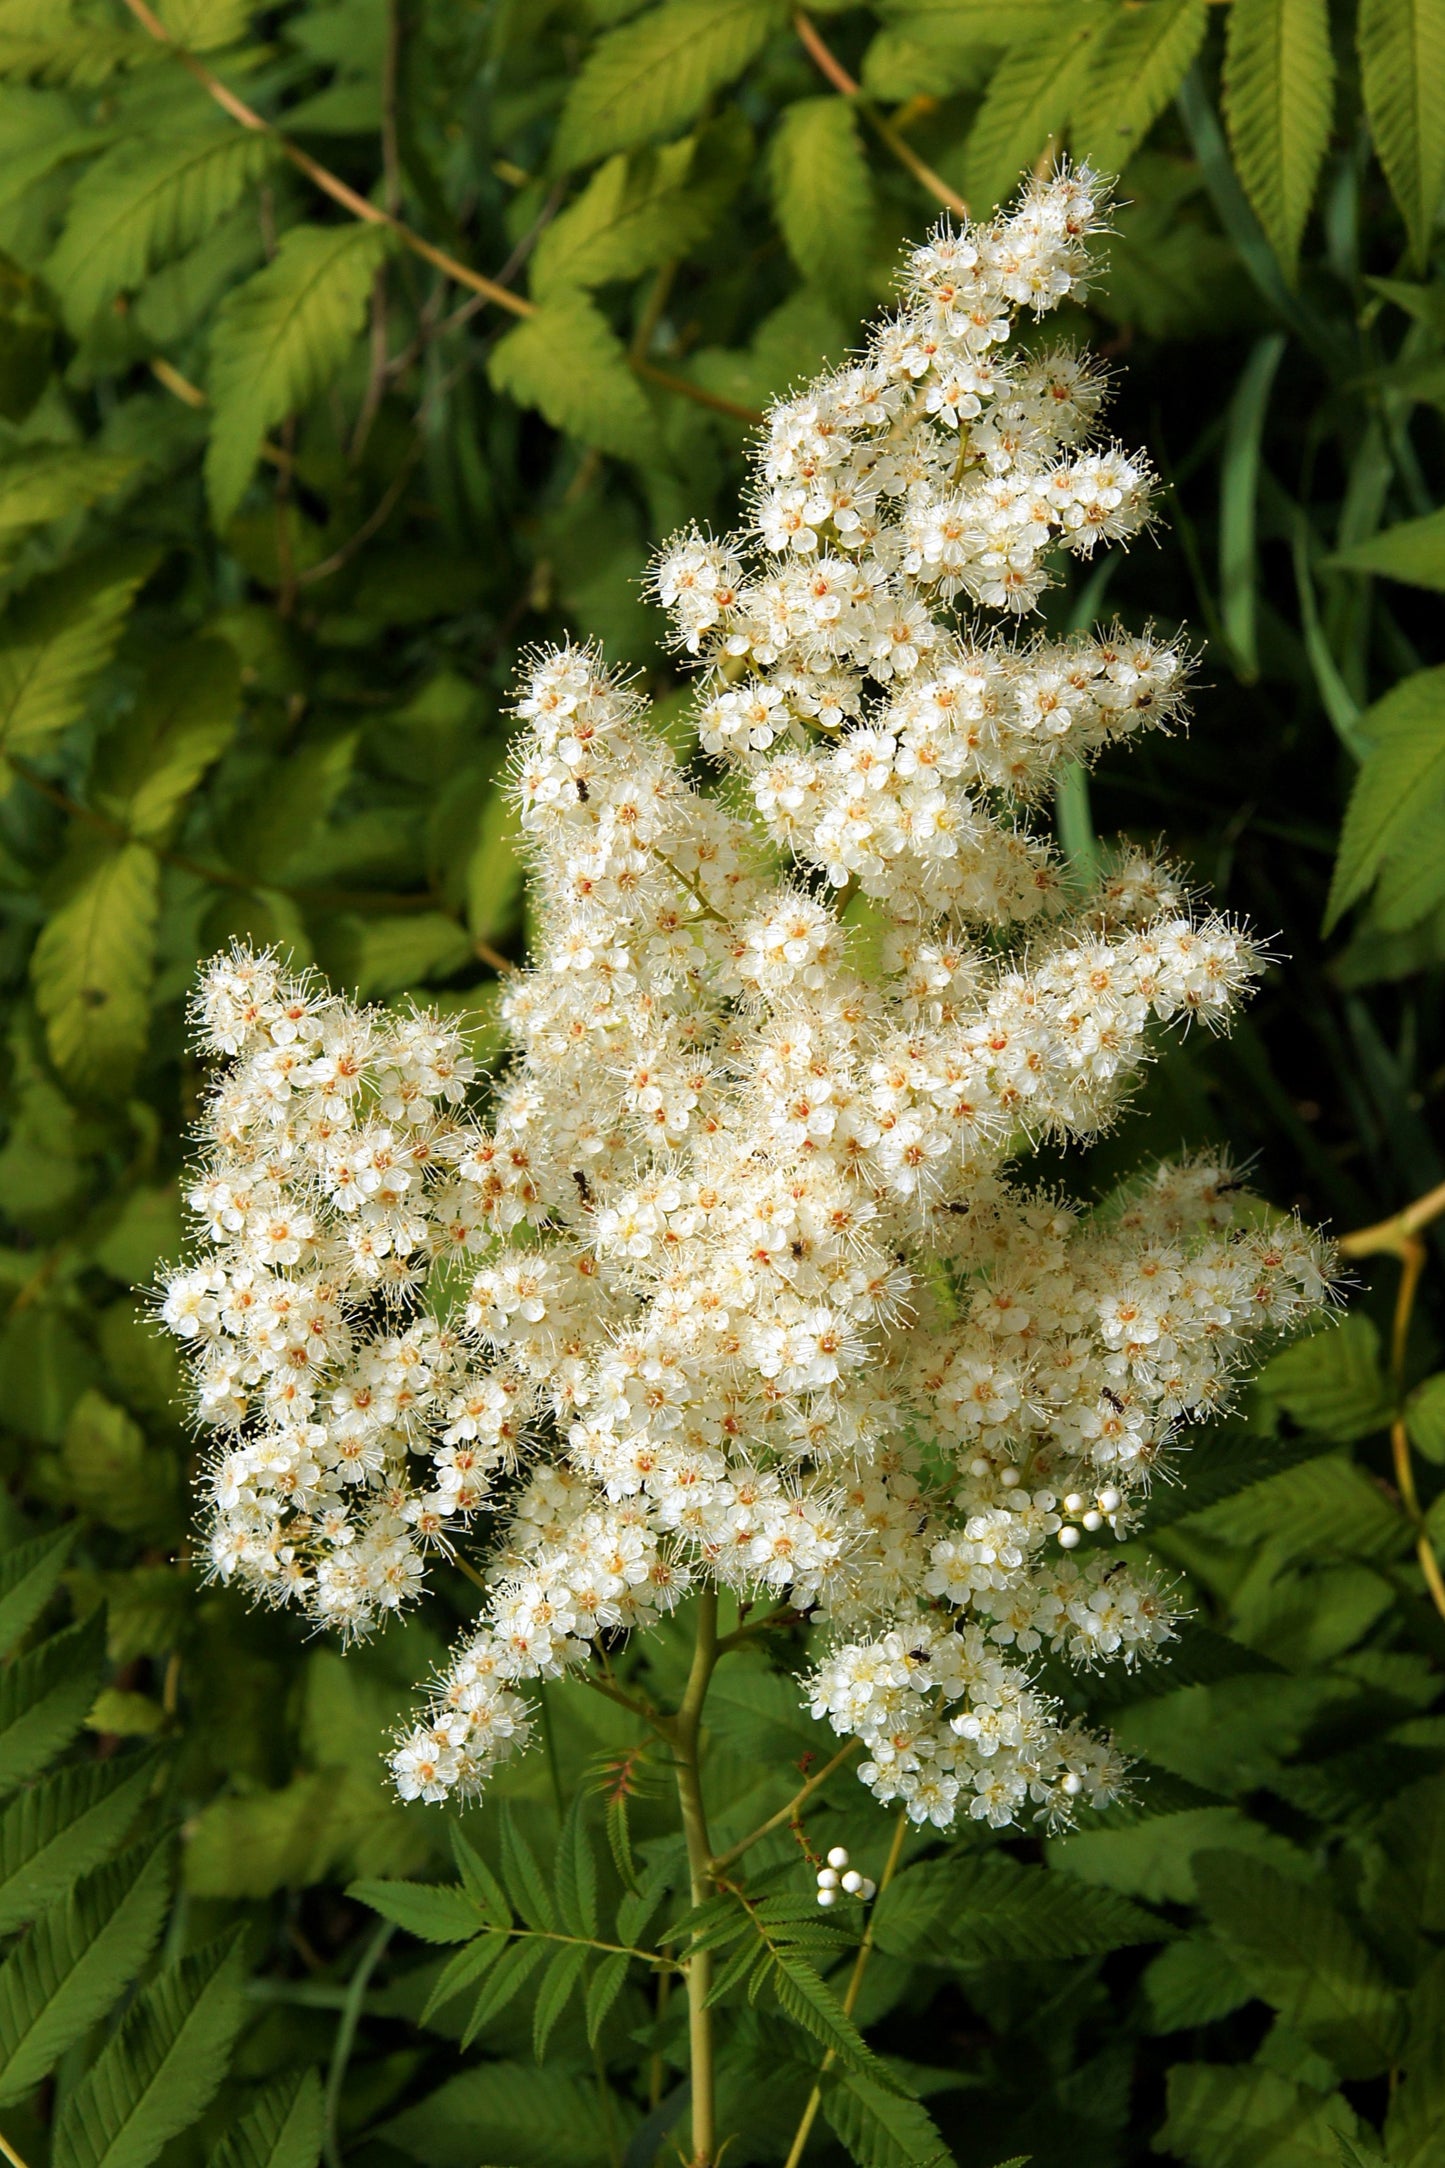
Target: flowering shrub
[{"x": 732, "y": 1288}]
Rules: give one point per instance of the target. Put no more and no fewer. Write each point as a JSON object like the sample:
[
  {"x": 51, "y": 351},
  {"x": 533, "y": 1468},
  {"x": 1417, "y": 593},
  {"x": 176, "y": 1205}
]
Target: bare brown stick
[
  {"x": 329, "y": 183},
  {"x": 831, "y": 67}
]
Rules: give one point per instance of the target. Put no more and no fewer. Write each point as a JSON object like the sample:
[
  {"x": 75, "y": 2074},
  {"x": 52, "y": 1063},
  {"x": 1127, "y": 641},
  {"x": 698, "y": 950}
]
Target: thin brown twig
[
  {"x": 376, "y": 519},
  {"x": 322, "y": 177},
  {"x": 488, "y": 955},
  {"x": 331, "y": 184},
  {"x": 832, "y": 69}
]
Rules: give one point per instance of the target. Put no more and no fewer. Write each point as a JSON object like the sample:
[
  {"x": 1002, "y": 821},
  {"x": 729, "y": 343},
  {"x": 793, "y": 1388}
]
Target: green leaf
[
  {"x": 1409, "y": 1851},
  {"x": 56, "y": 638},
  {"x": 479, "y": 1882},
  {"x": 59, "y": 1830},
  {"x": 1239, "y": 498},
  {"x": 108, "y": 1470},
  {"x": 574, "y": 1871},
  {"x": 278, "y": 342},
  {"x": 651, "y": 77},
  {"x": 1402, "y": 65},
  {"x": 1413, "y": 551},
  {"x": 72, "y": 1966},
  {"x": 1425, "y": 1418},
  {"x": 283, "y": 2130},
  {"x": 29, "y": 1577},
  {"x": 162, "y": 2069},
  {"x": 1415, "y": 2119},
  {"x": 554, "y": 1992},
  {"x": 509, "y": 2112},
  {"x": 185, "y": 719},
  {"x": 144, "y": 201},
  {"x": 1220, "y": 1466},
  {"x": 1135, "y": 70},
  {"x": 807, "y": 2000},
  {"x": 1355, "y": 2155},
  {"x": 1302, "y": 1956},
  {"x": 1192, "y": 1982},
  {"x": 92, "y": 965},
  {"x": 48, "y": 482},
  {"x": 603, "y": 1989},
  {"x": 568, "y": 363},
  {"x": 494, "y": 871},
  {"x": 463, "y": 1971},
  {"x": 44, "y": 1698},
  {"x": 968, "y": 1907},
  {"x": 1402, "y": 774},
  {"x": 881, "y": 2129},
  {"x": 1279, "y": 76},
  {"x": 1326, "y": 1506},
  {"x": 432, "y": 1911},
  {"x": 822, "y": 193},
  {"x": 526, "y": 1884},
  {"x": 1331, "y": 1382},
  {"x": 508, "y": 1977},
  {"x": 636, "y": 212},
  {"x": 1248, "y": 2117},
  {"x": 1029, "y": 99}
]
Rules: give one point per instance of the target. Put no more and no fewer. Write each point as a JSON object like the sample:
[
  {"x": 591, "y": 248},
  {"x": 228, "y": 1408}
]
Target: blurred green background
[{"x": 345, "y": 351}]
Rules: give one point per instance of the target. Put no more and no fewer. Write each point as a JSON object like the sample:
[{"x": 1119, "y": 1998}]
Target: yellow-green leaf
[
  {"x": 1279, "y": 75},
  {"x": 92, "y": 965}
]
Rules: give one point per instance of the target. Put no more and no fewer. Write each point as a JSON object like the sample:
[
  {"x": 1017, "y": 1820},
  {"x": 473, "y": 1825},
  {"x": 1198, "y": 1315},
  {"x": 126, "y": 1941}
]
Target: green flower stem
[
  {"x": 850, "y": 2000},
  {"x": 350, "y": 2018},
  {"x": 686, "y": 1727}
]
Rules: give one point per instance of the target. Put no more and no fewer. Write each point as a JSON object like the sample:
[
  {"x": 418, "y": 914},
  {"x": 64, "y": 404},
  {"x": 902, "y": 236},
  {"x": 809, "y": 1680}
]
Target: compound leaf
[
  {"x": 161, "y": 2069},
  {"x": 72, "y": 1966}
]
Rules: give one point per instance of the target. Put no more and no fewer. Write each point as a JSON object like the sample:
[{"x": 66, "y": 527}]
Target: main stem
[{"x": 686, "y": 1726}]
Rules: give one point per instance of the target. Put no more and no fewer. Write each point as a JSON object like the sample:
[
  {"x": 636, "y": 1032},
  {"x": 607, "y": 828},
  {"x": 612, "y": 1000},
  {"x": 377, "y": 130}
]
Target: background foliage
[{"x": 304, "y": 434}]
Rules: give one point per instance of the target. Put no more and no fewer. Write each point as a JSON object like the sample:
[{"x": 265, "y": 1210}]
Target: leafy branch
[{"x": 372, "y": 214}]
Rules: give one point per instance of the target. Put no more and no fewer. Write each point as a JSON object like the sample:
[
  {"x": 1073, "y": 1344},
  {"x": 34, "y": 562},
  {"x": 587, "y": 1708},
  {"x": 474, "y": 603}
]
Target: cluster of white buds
[
  {"x": 725, "y": 1283},
  {"x": 838, "y": 1879}
]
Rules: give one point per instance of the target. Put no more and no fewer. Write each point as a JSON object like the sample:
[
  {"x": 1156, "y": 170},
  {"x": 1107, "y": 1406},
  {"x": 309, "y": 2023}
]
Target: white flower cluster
[{"x": 731, "y": 1288}]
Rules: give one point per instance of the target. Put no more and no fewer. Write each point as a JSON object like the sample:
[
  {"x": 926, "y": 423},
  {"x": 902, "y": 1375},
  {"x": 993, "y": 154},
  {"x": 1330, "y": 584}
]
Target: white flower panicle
[{"x": 731, "y": 1288}]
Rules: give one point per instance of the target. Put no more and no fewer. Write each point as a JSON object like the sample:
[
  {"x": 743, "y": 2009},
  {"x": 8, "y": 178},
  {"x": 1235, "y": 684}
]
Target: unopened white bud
[
  {"x": 838, "y": 1857},
  {"x": 1072, "y": 1784},
  {"x": 827, "y": 1896},
  {"x": 1074, "y": 1503},
  {"x": 1010, "y": 1478},
  {"x": 1093, "y": 1519},
  {"x": 869, "y": 1890},
  {"x": 852, "y": 1881},
  {"x": 1068, "y": 1539},
  {"x": 1109, "y": 1501}
]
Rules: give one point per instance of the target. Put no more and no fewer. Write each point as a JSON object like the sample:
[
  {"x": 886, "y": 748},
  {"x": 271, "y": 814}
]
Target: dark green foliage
[{"x": 281, "y": 498}]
